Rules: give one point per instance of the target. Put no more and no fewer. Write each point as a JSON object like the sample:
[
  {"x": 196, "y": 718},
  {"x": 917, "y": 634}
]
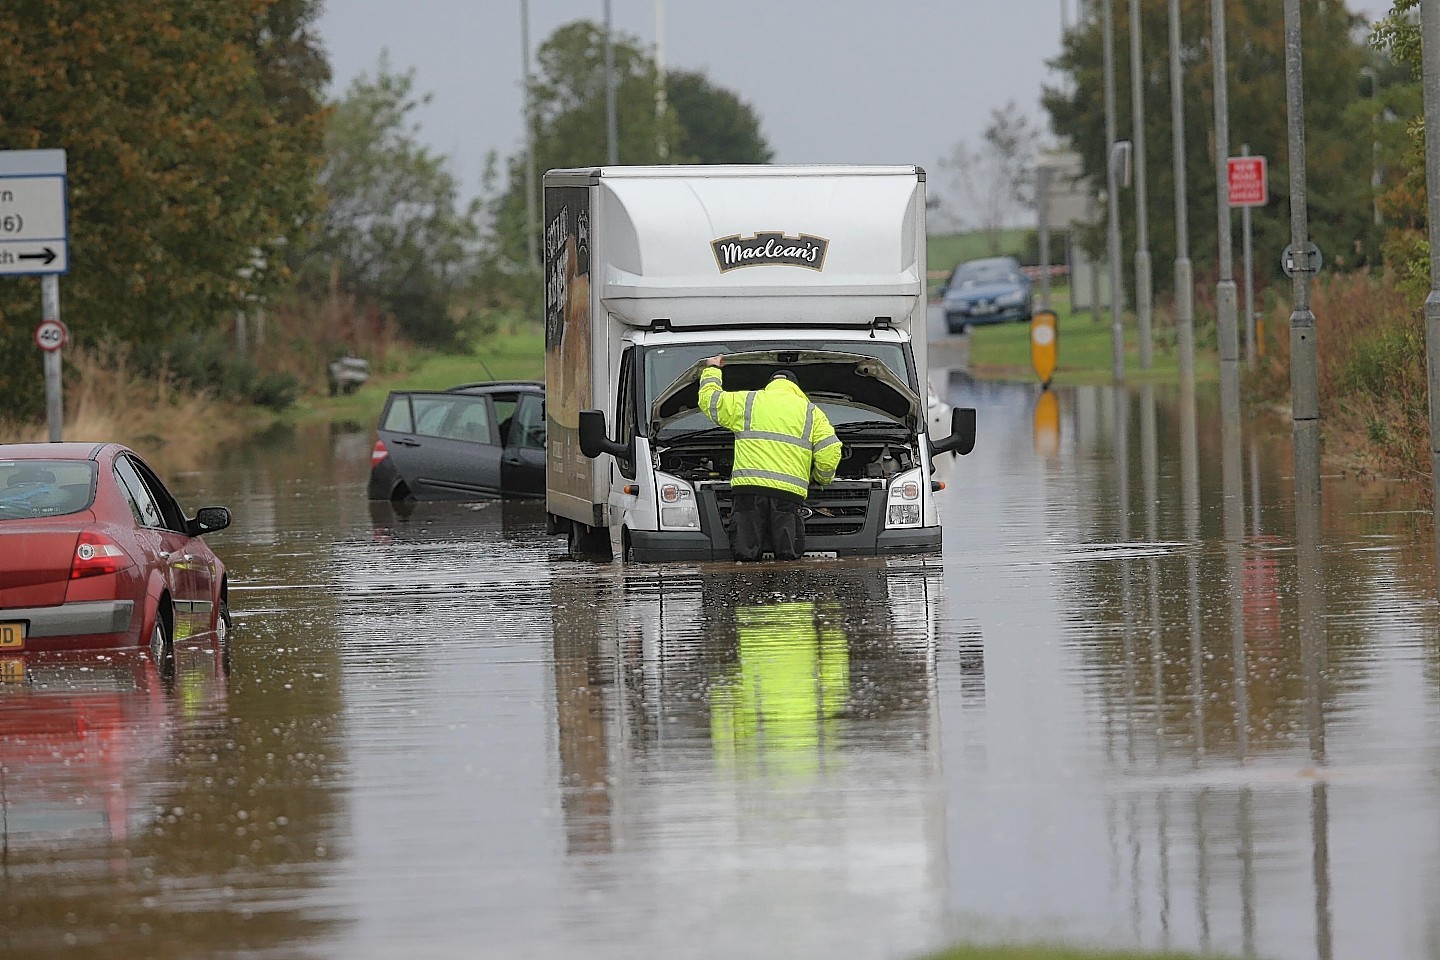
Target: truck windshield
[{"x": 663, "y": 365}]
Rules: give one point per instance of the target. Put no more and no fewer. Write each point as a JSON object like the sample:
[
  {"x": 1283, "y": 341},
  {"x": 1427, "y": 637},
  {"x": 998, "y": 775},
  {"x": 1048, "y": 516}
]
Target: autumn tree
[
  {"x": 991, "y": 183},
  {"x": 1338, "y": 138},
  {"x": 192, "y": 134}
]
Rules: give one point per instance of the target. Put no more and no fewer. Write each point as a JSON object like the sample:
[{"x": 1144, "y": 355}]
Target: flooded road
[{"x": 1094, "y": 718}]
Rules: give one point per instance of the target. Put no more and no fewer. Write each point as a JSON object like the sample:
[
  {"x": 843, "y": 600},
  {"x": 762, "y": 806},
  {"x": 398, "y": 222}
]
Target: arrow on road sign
[{"x": 48, "y": 256}]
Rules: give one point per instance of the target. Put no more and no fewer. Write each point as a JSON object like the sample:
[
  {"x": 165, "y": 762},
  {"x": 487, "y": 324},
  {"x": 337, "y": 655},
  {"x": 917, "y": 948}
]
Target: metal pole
[
  {"x": 1184, "y": 275},
  {"x": 1144, "y": 289},
  {"x": 662, "y": 148},
  {"x": 532, "y": 232},
  {"x": 612, "y": 148},
  {"x": 1247, "y": 267},
  {"x": 1430, "y": 34},
  {"x": 54, "y": 388},
  {"x": 1042, "y": 206},
  {"x": 1304, "y": 390},
  {"x": 1225, "y": 300},
  {"x": 1112, "y": 191},
  {"x": 1375, "y": 178}
]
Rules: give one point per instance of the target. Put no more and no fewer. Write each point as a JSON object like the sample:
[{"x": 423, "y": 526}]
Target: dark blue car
[{"x": 993, "y": 290}]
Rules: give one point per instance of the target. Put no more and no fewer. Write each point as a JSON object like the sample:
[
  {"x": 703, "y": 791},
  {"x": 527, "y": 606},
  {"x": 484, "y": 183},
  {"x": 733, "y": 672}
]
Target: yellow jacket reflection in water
[{"x": 779, "y": 712}]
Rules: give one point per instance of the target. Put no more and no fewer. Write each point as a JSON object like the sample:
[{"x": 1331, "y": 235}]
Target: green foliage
[
  {"x": 392, "y": 234},
  {"x": 1338, "y": 133},
  {"x": 191, "y": 141},
  {"x": 716, "y": 126},
  {"x": 192, "y": 133},
  {"x": 700, "y": 124},
  {"x": 208, "y": 364}
]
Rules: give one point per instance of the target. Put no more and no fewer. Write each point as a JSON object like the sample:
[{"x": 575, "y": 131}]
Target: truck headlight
[
  {"x": 903, "y": 500},
  {"x": 678, "y": 510}
]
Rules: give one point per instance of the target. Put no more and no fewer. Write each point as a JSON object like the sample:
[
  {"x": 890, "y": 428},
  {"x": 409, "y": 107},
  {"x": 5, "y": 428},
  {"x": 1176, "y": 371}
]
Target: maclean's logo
[{"x": 770, "y": 249}]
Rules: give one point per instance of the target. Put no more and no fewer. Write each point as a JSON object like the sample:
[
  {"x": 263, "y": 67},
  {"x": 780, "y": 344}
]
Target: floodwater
[{"x": 1101, "y": 716}]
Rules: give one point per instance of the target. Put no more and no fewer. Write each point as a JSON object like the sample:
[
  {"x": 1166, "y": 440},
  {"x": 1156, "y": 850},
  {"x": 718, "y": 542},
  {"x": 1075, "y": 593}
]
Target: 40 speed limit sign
[{"x": 51, "y": 335}]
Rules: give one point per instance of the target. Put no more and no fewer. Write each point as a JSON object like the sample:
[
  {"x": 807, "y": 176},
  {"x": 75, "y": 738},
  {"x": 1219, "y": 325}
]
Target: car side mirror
[
  {"x": 962, "y": 433},
  {"x": 208, "y": 520},
  {"x": 593, "y": 439}
]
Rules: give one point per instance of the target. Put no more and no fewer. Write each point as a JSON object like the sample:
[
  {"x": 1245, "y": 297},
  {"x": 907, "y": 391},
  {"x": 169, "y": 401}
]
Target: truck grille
[{"x": 839, "y": 509}]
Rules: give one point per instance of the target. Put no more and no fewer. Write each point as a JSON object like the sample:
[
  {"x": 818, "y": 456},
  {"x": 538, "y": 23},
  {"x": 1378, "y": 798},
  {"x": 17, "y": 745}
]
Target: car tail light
[
  {"x": 378, "y": 454},
  {"x": 96, "y": 555}
]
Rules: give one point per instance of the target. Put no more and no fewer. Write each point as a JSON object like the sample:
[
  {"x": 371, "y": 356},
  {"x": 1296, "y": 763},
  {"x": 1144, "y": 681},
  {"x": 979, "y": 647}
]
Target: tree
[
  {"x": 702, "y": 123},
  {"x": 192, "y": 133},
  {"x": 716, "y": 126},
  {"x": 1338, "y": 138},
  {"x": 391, "y": 234},
  {"x": 997, "y": 179}
]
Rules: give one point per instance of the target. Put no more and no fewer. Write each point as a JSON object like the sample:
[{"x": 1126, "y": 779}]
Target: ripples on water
[{"x": 1095, "y": 717}]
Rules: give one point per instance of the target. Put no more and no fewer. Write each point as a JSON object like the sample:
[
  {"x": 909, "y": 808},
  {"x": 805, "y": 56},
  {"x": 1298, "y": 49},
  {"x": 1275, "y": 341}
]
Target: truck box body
[{"x": 649, "y": 270}]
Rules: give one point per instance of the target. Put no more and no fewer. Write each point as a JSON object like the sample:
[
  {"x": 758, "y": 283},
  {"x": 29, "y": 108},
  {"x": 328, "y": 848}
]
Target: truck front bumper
[{"x": 712, "y": 540}]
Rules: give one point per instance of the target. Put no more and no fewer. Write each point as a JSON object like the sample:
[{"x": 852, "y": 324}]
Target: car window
[
  {"x": 469, "y": 420},
  {"x": 45, "y": 488},
  {"x": 528, "y": 430},
  {"x": 172, "y": 516},
  {"x": 142, "y": 503},
  {"x": 397, "y": 415},
  {"x": 986, "y": 271},
  {"x": 504, "y": 406},
  {"x": 431, "y": 414}
]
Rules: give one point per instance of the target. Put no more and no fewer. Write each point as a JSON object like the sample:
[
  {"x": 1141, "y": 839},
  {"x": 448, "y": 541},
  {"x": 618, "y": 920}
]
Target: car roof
[
  {"x": 986, "y": 260},
  {"x": 65, "y": 450},
  {"x": 491, "y": 386}
]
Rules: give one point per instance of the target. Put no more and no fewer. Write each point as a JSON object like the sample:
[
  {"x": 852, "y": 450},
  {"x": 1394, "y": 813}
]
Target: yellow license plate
[
  {"x": 12, "y": 670},
  {"x": 12, "y": 636}
]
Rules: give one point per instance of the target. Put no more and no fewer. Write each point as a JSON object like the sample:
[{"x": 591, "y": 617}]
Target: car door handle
[{"x": 407, "y": 442}]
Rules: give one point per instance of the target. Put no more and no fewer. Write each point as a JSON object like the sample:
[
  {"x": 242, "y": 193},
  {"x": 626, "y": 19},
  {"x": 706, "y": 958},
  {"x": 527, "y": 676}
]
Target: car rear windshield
[{"x": 45, "y": 488}]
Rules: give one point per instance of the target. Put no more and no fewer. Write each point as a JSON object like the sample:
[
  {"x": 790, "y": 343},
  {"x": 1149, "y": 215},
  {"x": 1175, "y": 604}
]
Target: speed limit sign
[{"x": 51, "y": 335}]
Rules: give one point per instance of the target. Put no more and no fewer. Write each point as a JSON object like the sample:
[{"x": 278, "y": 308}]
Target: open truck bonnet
[{"x": 826, "y": 377}]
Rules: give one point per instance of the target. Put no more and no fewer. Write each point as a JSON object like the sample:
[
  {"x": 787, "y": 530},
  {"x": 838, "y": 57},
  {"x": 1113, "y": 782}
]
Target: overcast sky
[{"x": 833, "y": 81}]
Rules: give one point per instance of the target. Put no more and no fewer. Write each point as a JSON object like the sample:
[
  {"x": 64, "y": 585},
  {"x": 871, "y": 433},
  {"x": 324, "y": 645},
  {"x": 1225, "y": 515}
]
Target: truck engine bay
[{"x": 867, "y": 454}]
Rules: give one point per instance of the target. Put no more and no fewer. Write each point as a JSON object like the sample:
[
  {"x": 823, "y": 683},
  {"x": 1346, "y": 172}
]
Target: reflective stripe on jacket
[{"x": 782, "y": 440}]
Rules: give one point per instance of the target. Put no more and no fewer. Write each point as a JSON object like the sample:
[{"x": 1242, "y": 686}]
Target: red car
[{"x": 95, "y": 553}]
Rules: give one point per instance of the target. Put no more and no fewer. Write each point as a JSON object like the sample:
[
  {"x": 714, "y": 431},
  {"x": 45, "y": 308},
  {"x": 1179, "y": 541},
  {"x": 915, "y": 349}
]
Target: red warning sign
[{"x": 1246, "y": 176}]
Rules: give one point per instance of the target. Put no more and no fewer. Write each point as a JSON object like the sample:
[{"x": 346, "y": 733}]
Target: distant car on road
[
  {"x": 96, "y": 553},
  {"x": 476, "y": 441},
  {"x": 993, "y": 290}
]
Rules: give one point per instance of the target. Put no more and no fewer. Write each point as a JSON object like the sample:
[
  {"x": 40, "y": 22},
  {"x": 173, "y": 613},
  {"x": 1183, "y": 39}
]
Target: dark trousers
[{"x": 760, "y": 522}]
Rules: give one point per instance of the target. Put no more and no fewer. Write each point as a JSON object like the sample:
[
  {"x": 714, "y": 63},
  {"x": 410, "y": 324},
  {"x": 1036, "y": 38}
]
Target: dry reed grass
[
  {"x": 1370, "y": 349},
  {"x": 106, "y": 401}
]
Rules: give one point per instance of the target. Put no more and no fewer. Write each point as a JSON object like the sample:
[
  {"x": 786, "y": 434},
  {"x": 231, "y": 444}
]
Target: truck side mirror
[
  {"x": 594, "y": 441},
  {"x": 962, "y": 433}
]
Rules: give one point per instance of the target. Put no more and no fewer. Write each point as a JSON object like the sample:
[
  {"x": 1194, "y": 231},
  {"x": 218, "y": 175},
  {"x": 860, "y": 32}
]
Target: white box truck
[{"x": 815, "y": 269}]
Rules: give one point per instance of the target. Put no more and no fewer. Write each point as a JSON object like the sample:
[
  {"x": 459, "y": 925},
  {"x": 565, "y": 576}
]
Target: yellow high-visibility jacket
[{"x": 782, "y": 440}]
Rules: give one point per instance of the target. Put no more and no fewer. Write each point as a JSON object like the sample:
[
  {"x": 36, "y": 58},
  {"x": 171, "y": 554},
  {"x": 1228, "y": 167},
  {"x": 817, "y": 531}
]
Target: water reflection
[
  {"x": 786, "y": 712},
  {"x": 1128, "y": 706}
]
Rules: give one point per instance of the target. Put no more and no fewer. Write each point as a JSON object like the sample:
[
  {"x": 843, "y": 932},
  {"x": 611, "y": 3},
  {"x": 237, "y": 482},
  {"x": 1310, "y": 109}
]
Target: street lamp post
[
  {"x": 1430, "y": 52},
  {"x": 1226, "y": 301},
  {"x": 532, "y": 236},
  {"x": 1143, "y": 287},
  {"x": 1184, "y": 276},
  {"x": 1112, "y": 192},
  {"x": 612, "y": 148}
]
